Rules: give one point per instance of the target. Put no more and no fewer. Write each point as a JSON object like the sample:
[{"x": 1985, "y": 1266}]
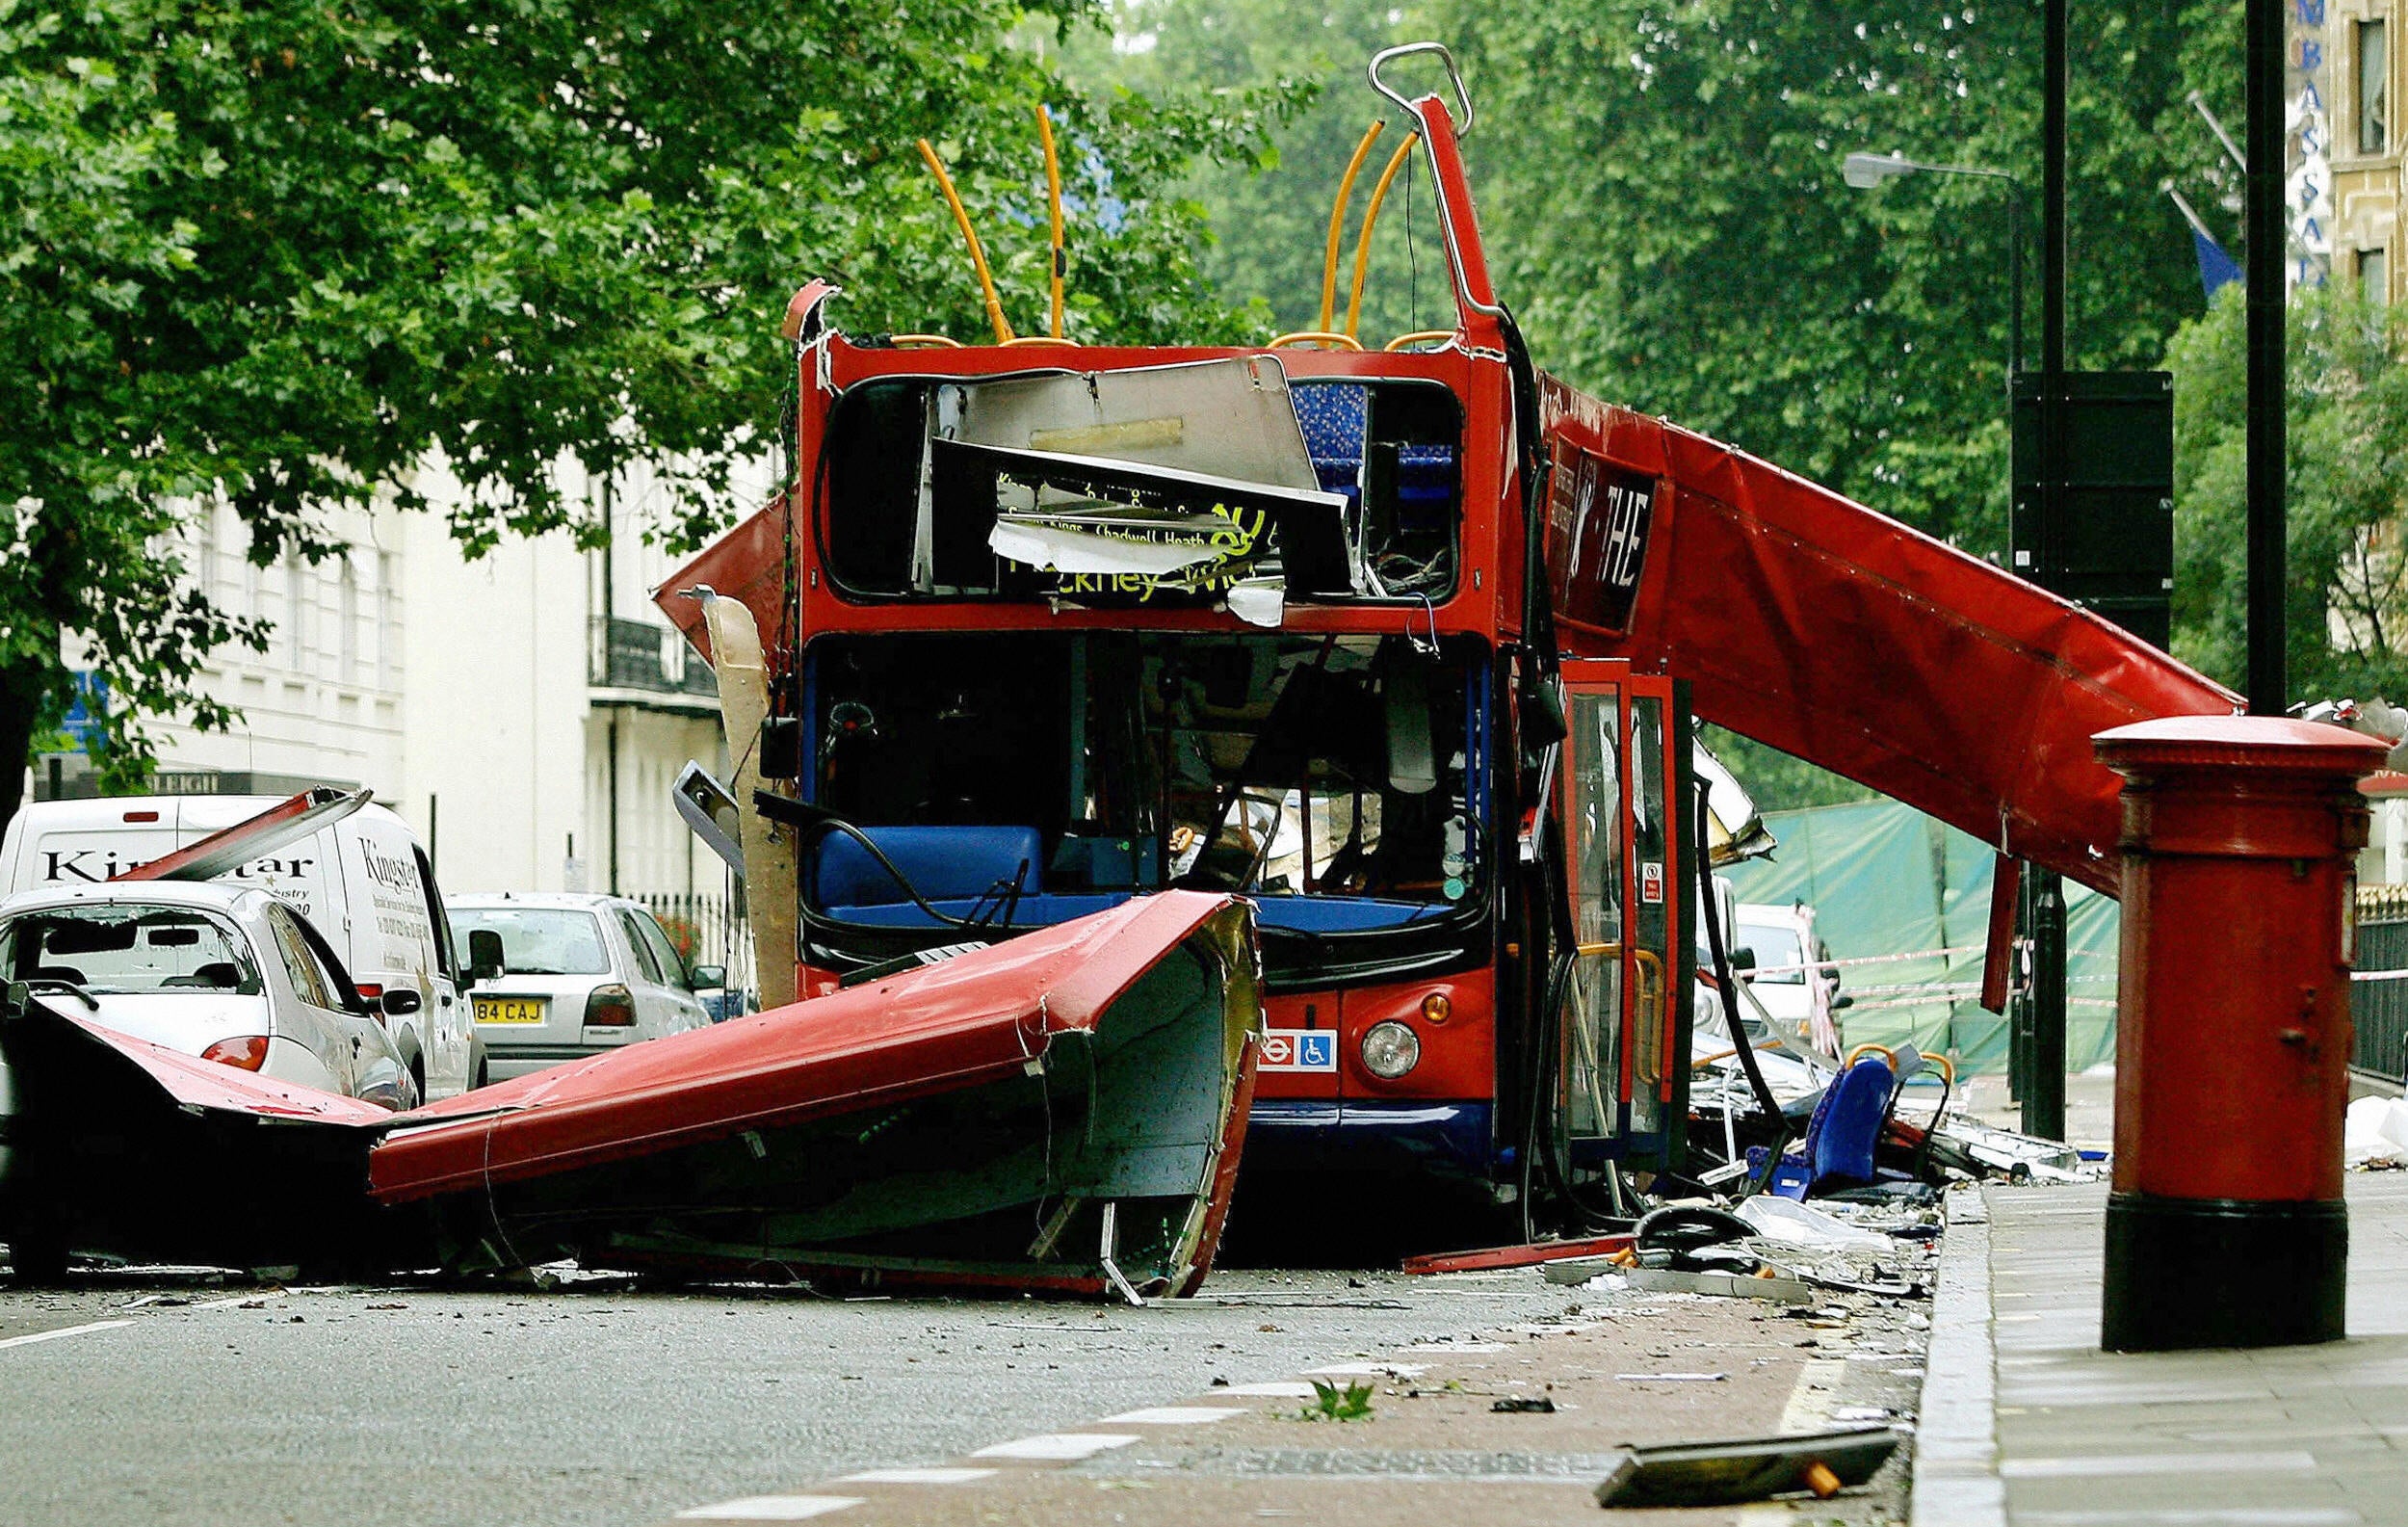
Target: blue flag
[{"x": 2216, "y": 268}]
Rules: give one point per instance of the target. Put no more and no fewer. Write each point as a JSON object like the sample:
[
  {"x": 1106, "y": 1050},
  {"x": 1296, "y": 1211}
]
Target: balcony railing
[{"x": 639, "y": 655}]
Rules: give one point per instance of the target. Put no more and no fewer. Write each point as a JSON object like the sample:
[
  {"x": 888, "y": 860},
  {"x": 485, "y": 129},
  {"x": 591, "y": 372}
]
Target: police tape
[{"x": 1870, "y": 960}]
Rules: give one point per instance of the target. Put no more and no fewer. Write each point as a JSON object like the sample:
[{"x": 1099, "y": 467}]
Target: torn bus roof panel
[
  {"x": 1834, "y": 633},
  {"x": 229, "y": 849},
  {"x": 748, "y": 564},
  {"x": 1061, "y": 1111}
]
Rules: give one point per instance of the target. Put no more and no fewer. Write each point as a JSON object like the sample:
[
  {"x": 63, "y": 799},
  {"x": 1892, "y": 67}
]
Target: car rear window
[
  {"x": 128, "y": 948},
  {"x": 536, "y": 940}
]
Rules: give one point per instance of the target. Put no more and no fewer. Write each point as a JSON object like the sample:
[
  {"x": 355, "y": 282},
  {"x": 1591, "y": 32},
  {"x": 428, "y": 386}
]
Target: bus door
[{"x": 1622, "y": 1063}]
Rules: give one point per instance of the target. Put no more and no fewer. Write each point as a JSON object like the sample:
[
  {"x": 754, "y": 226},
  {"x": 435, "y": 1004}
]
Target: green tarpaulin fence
[{"x": 1885, "y": 880}]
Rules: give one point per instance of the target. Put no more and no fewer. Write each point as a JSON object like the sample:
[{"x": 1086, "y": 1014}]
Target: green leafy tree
[
  {"x": 1269, "y": 210},
  {"x": 2346, "y": 496},
  {"x": 1667, "y": 212},
  {"x": 280, "y": 253}
]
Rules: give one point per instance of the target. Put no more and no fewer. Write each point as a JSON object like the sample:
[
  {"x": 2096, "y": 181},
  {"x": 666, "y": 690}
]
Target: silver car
[
  {"x": 565, "y": 976},
  {"x": 224, "y": 972}
]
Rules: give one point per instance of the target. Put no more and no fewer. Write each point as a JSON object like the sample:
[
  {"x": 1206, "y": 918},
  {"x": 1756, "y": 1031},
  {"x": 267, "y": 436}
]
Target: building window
[
  {"x": 2374, "y": 274},
  {"x": 303, "y": 642},
  {"x": 388, "y": 622},
  {"x": 2375, "y": 100},
  {"x": 349, "y": 617}
]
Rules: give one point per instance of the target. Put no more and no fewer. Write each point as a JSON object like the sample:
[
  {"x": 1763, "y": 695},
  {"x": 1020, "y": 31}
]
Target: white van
[
  {"x": 1789, "y": 964},
  {"x": 361, "y": 879}
]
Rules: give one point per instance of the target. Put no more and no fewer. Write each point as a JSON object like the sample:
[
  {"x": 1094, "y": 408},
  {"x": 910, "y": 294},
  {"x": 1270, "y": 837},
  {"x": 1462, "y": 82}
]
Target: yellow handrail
[
  {"x": 969, "y": 236},
  {"x": 926, "y": 342},
  {"x": 1418, "y": 337},
  {"x": 1317, "y": 336},
  {"x": 1338, "y": 225},
  {"x": 1370, "y": 219},
  {"x": 1053, "y": 206}
]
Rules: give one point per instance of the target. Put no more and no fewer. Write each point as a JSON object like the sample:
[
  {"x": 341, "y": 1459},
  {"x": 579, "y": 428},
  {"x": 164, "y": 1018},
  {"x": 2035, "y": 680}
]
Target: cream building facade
[
  {"x": 526, "y": 712},
  {"x": 2365, "y": 74}
]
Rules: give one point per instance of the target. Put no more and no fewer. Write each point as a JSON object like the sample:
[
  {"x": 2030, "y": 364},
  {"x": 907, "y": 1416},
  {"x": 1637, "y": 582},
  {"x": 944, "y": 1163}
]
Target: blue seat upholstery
[
  {"x": 1032, "y": 911},
  {"x": 1846, "y": 1126},
  {"x": 1334, "y": 417},
  {"x": 944, "y": 863},
  {"x": 881, "y": 906},
  {"x": 1336, "y": 914},
  {"x": 1336, "y": 420}
]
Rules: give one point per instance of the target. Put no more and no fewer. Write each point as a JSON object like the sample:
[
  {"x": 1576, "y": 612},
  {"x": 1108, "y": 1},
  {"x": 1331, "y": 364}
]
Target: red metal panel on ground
[
  {"x": 1530, "y": 1256},
  {"x": 974, "y": 1017},
  {"x": 1836, "y": 634}
]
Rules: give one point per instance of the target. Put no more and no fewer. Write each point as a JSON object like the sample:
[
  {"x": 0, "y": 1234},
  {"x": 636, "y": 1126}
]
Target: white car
[
  {"x": 224, "y": 972},
  {"x": 563, "y": 977}
]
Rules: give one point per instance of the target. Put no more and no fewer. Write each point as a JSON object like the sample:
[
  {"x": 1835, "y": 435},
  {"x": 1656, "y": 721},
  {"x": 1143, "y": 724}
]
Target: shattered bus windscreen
[
  {"x": 1215, "y": 483},
  {"x": 1028, "y": 778}
]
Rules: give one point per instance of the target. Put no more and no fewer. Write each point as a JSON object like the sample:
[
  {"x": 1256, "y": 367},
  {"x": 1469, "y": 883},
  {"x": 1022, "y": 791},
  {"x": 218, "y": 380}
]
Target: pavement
[
  {"x": 1517, "y": 1426},
  {"x": 173, "y": 1399},
  {"x": 2026, "y": 1422}
]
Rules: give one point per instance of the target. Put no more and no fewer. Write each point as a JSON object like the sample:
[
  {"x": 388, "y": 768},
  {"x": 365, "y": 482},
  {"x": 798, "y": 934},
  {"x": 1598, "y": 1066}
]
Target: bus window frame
[
  {"x": 823, "y": 471},
  {"x": 1461, "y": 938}
]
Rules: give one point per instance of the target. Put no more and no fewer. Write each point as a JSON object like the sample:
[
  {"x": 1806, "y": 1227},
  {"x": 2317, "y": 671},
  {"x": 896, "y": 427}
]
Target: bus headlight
[{"x": 1390, "y": 1049}]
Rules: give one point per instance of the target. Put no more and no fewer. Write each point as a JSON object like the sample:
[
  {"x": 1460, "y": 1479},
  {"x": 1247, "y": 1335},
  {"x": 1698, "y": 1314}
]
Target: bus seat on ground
[{"x": 1840, "y": 1139}]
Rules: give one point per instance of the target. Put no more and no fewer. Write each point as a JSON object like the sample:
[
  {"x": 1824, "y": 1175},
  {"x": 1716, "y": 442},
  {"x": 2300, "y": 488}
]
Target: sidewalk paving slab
[{"x": 2026, "y": 1422}]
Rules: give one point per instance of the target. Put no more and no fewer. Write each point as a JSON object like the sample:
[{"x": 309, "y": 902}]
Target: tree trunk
[{"x": 23, "y": 691}]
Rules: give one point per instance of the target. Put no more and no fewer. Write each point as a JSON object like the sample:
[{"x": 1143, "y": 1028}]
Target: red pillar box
[{"x": 2226, "y": 1227}]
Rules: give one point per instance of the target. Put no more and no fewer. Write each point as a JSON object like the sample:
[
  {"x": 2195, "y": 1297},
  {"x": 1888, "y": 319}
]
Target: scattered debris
[
  {"x": 2375, "y": 1134},
  {"x": 1746, "y": 1469},
  {"x": 1528, "y": 1255},
  {"x": 1525, "y": 1404},
  {"x": 1793, "y": 1224},
  {"x": 1778, "y": 1290}
]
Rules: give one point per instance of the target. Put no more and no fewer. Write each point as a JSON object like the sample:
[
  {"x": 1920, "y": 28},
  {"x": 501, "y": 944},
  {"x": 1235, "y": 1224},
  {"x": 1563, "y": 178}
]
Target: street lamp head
[{"x": 1867, "y": 170}]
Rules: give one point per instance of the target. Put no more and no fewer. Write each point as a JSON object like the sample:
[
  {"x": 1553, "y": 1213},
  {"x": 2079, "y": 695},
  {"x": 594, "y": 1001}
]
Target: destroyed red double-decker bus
[{"x": 1403, "y": 643}]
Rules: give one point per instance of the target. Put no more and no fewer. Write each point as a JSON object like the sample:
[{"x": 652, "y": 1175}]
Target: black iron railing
[
  {"x": 2379, "y": 1008},
  {"x": 637, "y": 654}
]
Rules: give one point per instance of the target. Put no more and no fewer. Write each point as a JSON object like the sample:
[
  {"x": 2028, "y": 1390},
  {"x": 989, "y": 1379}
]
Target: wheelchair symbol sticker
[{"x": 1300, "y": 1050}]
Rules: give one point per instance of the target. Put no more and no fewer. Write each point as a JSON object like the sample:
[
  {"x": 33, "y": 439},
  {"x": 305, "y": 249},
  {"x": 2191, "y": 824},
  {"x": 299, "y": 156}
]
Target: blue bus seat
[{"x": 944, "y": 863}]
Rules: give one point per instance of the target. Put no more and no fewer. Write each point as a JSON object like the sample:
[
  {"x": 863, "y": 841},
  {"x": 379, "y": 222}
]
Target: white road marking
[
  {"x": 1367, "y": 1370},
  {"x": 1057, "y": 1447},
  {"x": 2107, "y": 1466},
  {"x": 1285, "y": 1390},
  {"x": 1810, "y": 1398},
  {"x": 1173, "y": 1416},
  {"x": 772, "y": 1508},
  {"x": 64, "y": 1331},
  {"x": 917, "y": 1476}
]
